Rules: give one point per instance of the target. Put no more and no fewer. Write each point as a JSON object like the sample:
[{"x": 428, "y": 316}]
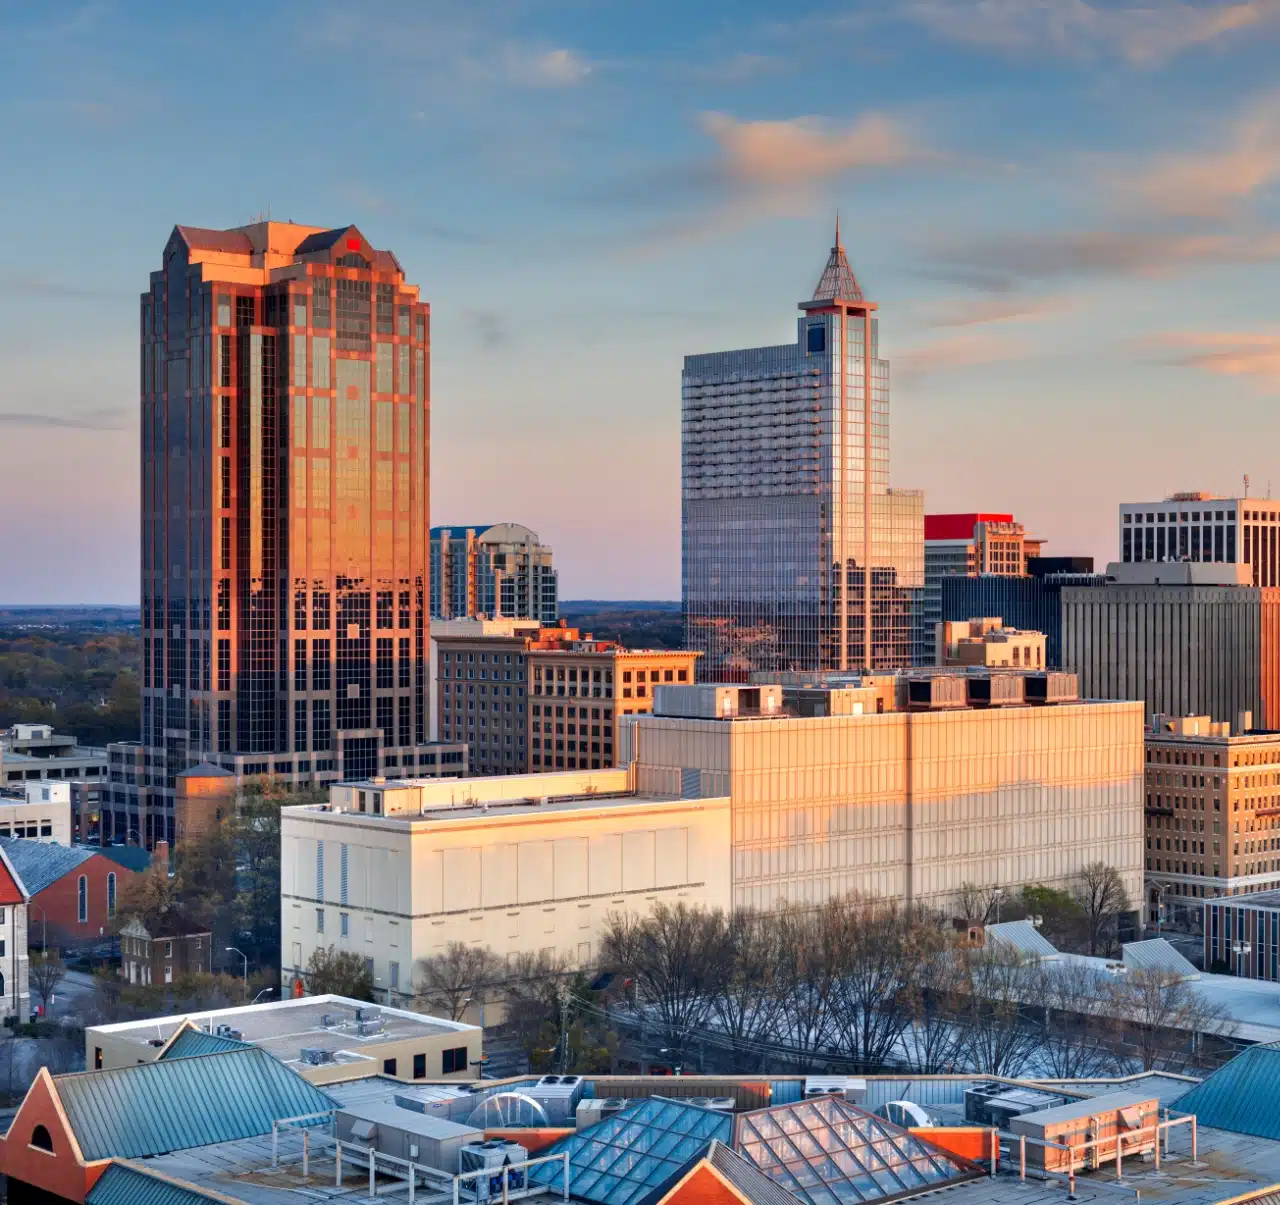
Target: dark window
[
  {"x": 40, "y": 1138},
  {"x": 388, "y": 1066},
  {"x": 817, "y": 339},
  {"x": 420, "y": 1066},
  {"x": 455, "y": 1060},
  {"x": 245, "y": 311}
]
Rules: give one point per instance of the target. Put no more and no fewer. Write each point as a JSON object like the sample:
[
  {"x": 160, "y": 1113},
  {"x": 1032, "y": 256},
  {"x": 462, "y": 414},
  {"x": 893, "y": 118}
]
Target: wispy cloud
[
  {"x": 1141, "y": 32},
  {"x": 1243, "y": 162},
  {"x": 27, "y": 285},
  {"x": 562, "y": 68},
  {"x": 1254, "y": 356},
  {"x": 761, "y": 169},
  {"x": 967, "y": 349},
  {"x": 88, "y": 420},
  {"x": 1002, "y": 310},
  {"x": 1001, "y": 263}
]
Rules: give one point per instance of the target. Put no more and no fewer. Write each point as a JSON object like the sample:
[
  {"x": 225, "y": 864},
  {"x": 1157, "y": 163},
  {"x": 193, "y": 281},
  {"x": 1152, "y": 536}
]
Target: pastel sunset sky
[{"x": 1067, "y": 211}]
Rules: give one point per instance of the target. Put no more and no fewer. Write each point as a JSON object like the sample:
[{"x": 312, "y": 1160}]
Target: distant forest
[
  {"x": 77, "y": 667},
  {"x": 636, "y": 624},
  {"x": 73, "y": 667}
]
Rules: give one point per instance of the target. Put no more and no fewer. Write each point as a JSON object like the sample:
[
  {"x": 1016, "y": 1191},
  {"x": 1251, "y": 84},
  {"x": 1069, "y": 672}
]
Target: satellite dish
[{"x": 509, "y": 1110}]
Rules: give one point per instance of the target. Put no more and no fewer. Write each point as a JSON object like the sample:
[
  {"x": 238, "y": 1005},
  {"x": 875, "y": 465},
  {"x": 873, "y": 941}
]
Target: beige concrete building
[
  {"x": 395, "y": 870},
  {"x": 956, "y": 784},
  {"x": 29, "y": 752},
  {"x": 323, "y": 1038},
  {"x": 1212, "y": 814},
  {"x": 988, "y": 643},
  {"x": 39, "y": 811},
  {"x": 531, "y": 700},
  {"x": 905, "y": 787}
]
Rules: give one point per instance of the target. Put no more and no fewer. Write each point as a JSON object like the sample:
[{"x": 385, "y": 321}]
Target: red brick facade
[{"x": 57, "y": 908}]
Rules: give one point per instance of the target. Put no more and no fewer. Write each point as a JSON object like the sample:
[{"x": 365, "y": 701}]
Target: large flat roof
[{"x": 285, "y": 1027}]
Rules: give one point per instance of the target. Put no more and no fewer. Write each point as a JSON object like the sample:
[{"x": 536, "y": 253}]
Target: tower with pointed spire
[{"x": 797, "y": 555}]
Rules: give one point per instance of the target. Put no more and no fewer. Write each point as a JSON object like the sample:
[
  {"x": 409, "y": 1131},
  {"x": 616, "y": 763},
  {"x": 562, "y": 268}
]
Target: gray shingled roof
[
  {"x": 38, "y": 863},
  {"x": 1023, "y": 936}
]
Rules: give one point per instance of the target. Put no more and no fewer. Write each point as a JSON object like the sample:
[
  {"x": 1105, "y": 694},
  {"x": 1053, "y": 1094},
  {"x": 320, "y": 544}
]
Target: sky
[{"x": 1067, "y": 211}]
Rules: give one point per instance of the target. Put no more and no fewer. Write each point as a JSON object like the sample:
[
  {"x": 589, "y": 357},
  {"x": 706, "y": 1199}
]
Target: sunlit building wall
[
  {"x": 285, "y": 415},
  {"x": 785, "y": 479}
]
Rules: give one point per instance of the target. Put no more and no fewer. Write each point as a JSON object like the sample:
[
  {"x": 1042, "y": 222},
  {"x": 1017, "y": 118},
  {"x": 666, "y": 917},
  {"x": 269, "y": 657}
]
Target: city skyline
[{"x": 1032, "y": 192}]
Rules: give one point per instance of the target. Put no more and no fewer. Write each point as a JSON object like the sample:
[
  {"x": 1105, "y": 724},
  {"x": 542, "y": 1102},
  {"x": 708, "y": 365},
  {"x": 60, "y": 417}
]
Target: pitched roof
[
  {"x": 1023, "y": 937},
  {"x": 1242, "y": 1095},
  {"x": 624, "y": 1158},
  {"x": 152, "y": 1108},
  {"x": 205, "y": 769},
  {"x": 189, "y": 1041},
  {"x": 13, "y": 889},
  {"x": 837, "y": 282},
  {"x": 748, "y": 1179},
  {"x": 848, "y": 1155},
  {"x": 131, "y": 857},
  {"x": 127, "y": 1184},
  {"x": 1157, "y": 954},
  {"x": 201, "y": 239},
  {"x": 323, "y": 240},
  {"x": 38, "y": 863}
]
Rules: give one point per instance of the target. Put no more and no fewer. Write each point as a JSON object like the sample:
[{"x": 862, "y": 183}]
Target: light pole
[
  {"x": 1242, "y": 950},
  {"x": 997, "y": 894},
  {"x": 266, "y": 991},
  {"x": 233, "y": 950}
]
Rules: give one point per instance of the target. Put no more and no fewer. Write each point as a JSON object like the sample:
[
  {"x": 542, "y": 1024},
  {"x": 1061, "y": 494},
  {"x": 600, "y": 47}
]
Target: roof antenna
[
  {"x": 838, "y": 243},
  {"x": 1246, "y": 485}
]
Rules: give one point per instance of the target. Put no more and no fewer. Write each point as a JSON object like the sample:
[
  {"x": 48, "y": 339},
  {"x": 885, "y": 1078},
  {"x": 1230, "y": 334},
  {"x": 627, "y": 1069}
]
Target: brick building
[
  {"x": 73, "y": 891},
  {"x": 547, "y": 698},
  {"x": 163, "y": 956}
]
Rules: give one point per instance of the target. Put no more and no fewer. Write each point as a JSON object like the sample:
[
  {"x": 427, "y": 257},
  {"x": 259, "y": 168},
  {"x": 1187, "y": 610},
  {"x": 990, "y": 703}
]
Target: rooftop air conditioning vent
[{"x": 314, "y": 1056}]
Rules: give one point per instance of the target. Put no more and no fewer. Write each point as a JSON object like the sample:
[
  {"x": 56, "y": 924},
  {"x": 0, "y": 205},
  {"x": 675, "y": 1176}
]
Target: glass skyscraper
[
  {"x": 285, "y": 419},
  {"x": 796, "y": 553}
]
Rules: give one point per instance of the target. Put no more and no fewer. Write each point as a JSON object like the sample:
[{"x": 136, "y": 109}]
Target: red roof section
[
  {"x": 958, "y": 527},
  {"x": 12, "y": 890}
]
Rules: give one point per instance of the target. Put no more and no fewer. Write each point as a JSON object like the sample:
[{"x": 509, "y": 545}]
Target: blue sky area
[{"x": 1066, "y": 210}]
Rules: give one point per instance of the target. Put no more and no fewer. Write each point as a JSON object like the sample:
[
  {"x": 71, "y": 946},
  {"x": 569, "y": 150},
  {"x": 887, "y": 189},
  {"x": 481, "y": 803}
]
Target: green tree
[{"x": 338, "y": 972}]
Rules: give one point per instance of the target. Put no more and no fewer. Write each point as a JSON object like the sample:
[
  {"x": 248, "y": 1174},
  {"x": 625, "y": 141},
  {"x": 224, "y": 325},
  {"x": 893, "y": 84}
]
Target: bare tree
[
  {"x": 528, "y": 989},
  {"x": 1100, "y": 892},
  {"x": 743, "y": 985},
  {"x": 999, "y": 985},
  {"x": 45, "y": 971},
  {"x": 1166, "y": 1018},
  {"x": 340, "y": 972},
  {"x": 808, "y": 965},
  {"x": 452, "y": 980},
  {"x": 1077, "y": 1030},
  {"x": 670, "y": 955},
  {"x": 877, "y": 951},
  {"x": 976, "y": 903},
  {"x": 934, "y": 1042}
]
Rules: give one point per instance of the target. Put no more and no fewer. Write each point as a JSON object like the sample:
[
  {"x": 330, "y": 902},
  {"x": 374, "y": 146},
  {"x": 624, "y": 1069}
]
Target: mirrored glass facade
[
  {"x": 796, "y": 553},
  {"x": 285, "y": 510}
]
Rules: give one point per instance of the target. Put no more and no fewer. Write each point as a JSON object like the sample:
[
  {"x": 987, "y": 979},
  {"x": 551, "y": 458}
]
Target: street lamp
[
  {"x": 266, "y": 991},
  {"x": 233, "y": 950},
  {"x": 996, "y": 894},
  {"x": 1161, "y": 889},
  {"x": 1241, "y": 949}
]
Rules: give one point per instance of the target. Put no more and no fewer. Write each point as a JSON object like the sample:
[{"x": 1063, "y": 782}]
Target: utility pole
[{"x": 563, "y": 992}]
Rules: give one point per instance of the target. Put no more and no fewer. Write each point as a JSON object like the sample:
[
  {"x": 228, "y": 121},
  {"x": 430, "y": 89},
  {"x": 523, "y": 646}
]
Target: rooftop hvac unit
[
  {"x": 848, "y": 1087},
  {"x": 327, "y": 1021},
  {"x": 228, "y": 1031},
  {"x": 366, "y": 1012},
  {"x": 491, "y": 1155},
  {"x": 371, "y": 1026},
  {"x": 996, "y": 1104},
  {"x": 597, "y": 1108},
  {"x": 1052, "y": 687},
  {"x": 315, "y": 1056},
  {"x": 558, "y": 1095}
]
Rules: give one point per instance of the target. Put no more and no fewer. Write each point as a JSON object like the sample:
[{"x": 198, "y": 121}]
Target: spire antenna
[{"x": 839, "y": 245}]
